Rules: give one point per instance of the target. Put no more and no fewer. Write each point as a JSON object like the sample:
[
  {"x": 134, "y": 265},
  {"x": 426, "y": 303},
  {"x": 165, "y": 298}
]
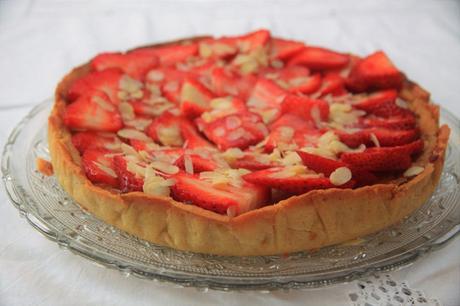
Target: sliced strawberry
[
  {"x": 134, "y": 64},
  {"x": 192, "y": 138},
  {"x": 332, "y": 84},
  {"x": 106, "y": 81},
  {"x": 291, "y": 129},
  {"x": 385, "y": 137},
  {"x": 250, "y": 162},
  {"x": 199, "y": 163},
  {"x": 194, "y": 98},
  {"x": 226, "y": 82},
  {"x": 326, "y": 166},
  {"x": 98, "y": 167},
  {"x": 374, "y": 100},
  {"x": 266, "y": 94},
  {"x": 282, "y": 49},
  {"x": 320, "y": 164},
  {"x": 170, "y": 54},
  {"x": 93, "y": 111},
  {"x": 376, "y": 71},
  {"x": 254, "y": 40},
  {"x": 393, "y": 123},
  {"x": 306, "y": 85},
  {"x": 296, "y": 184},
  {"x": 138, "y": 145},
  {"x": 236, "y": 130},
  {"x": 319, "y": 58},
  {"x": 93, "y": 140},
  {"x": 225, "y": 200},
  {"x": 165, "y": 129},
  {"x": 307, "y": 108},
  {"x": 127, "y": 181},
  {"x": 384, "y": 159}
]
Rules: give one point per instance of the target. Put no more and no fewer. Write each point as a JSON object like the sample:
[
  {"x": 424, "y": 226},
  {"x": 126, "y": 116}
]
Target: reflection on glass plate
[{"x": 52, "y": 212}]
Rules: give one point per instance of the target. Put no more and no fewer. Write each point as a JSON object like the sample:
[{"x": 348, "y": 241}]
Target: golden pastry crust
[{"x": 309, "y": 221}]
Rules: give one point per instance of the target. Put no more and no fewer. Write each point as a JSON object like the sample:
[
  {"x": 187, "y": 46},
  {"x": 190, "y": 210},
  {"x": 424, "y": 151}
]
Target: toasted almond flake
[
  {"x": 340, "y": 176},
  {"x": 316, "y": 115},
  {"x": 139, "y": 124},
  {"x": 156, "y": 185},
  {"x": 413, "y": 171},
  {"x": 103, "y": 103},
  {"x": 113, "y": 146},
  {"x": 188, "y": 164},
  {"x": 129, "y": 85},
  {"x": 155, "y": 75},
  {"x": 128, "y": 150},
  {"x": 291, "y": 158},
  {"x": 232, "y": 154},
  {"x": 375, "y": 140},
  {"x": 223, "y": 177},
  {"x": 164, "y": 167},
  {"x": 221, "y": 103},
  {"x": 290, "y": 171},
  {"x": 154, "y": 90},
  {"x": 231, "y": 211},
  {"x": 204, "y": 50},
  {"x": 286, "y": 133},
  {"x": 126, "y": 111},
  {"x": 172, "y": 86},
  {"x": 298, "y": 81},
  {"x": 170, "y": 136},
  {"x": 133, "y": 134},
  {"x": 401, "y": 103},
  {"x": 221, "y": 49},
  {"x": 233, "y": 122},
  {"x": 236, "y": 134},
  {"x": 135, "y": 168},
  {"x": 277, "y": 64},
  {"x": 106, "y": 169}
]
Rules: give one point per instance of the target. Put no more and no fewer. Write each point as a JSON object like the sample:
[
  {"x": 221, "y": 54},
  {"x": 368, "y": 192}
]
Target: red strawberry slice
[
  {"x": 134, "y": 64},
  {"x": 192, "y": 138},
  {"x": 99, "y": 167},
  {"x": 170, "y": 54},
  {"x": 291, "y": 129},
  {"x": 254, "y": 40},
  {"x": 139, "y": 145},
  {"x": 392, "y": 123},
  {"x": 319, "y": 59},
  {"x": 266, "y": 94},
  {"x": 384, "y": 159},
  {"x": 199, "y": 163},
  {"x": 228, "y": 199},
  {"x": 282, "y": 49},
  {"x": 250, "y": 162},
  {"x": 305, "y": 107},
  {"x": 320, "y": 164},
  {"x": 374, "y": 100},
  {"x": 236, "y": 130},
  {"x": 306, "y": 85},
  {"x": 332, "y": 84},
  {"x": 326, "y": 166},
  {"x": 376, "y": 71},
  {"x": 166, "y": 130},
  {"x": 226, "y": 82},
  {"x": 297, "y": 184},
  {"x": 127, "y": 181},
  {"x": 194, "y": 98},
  {"x": 106, "y": 81},
  {"x": 385, "y": 137},
  {"x": 93, "y": 140},
  {"x": 93, "y": 112}
]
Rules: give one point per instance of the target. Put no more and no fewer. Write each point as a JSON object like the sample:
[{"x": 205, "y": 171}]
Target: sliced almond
[
  {"x": 340, "y": 176},
  {"x": 106, "y": 169},
  {"x": 413, "y": 171},
  {"x": 103, "y": 104},
  {"x": 164, "y": 167},
  {"x": 133, "y": 134}
]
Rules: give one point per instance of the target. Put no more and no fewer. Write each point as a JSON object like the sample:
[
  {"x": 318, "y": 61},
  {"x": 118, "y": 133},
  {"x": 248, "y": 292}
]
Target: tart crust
[{"x": 309, "y": 221}]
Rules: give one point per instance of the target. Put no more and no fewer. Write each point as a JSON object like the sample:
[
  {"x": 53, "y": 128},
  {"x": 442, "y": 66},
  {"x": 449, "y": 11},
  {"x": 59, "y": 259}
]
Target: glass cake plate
[{"x": 51, "y": 211}]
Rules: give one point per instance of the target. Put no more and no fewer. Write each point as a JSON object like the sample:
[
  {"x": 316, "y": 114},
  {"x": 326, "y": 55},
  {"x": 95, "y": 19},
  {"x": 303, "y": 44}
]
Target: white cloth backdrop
[{"x": 41, "y": 40}]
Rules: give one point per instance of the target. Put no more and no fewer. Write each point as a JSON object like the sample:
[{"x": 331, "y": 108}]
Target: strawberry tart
[{"x": 245, "y": 145}]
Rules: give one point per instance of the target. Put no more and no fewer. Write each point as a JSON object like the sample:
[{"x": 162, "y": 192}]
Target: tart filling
[
  {"x": 247, "y": 145},
  {"x": 236, "y": 123}
]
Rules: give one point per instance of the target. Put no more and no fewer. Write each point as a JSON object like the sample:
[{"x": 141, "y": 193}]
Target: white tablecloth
[{"x": 41, "y": 40}]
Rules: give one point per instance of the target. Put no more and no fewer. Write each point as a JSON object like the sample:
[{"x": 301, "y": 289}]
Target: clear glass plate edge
[{"x": 182, "y": 279}]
